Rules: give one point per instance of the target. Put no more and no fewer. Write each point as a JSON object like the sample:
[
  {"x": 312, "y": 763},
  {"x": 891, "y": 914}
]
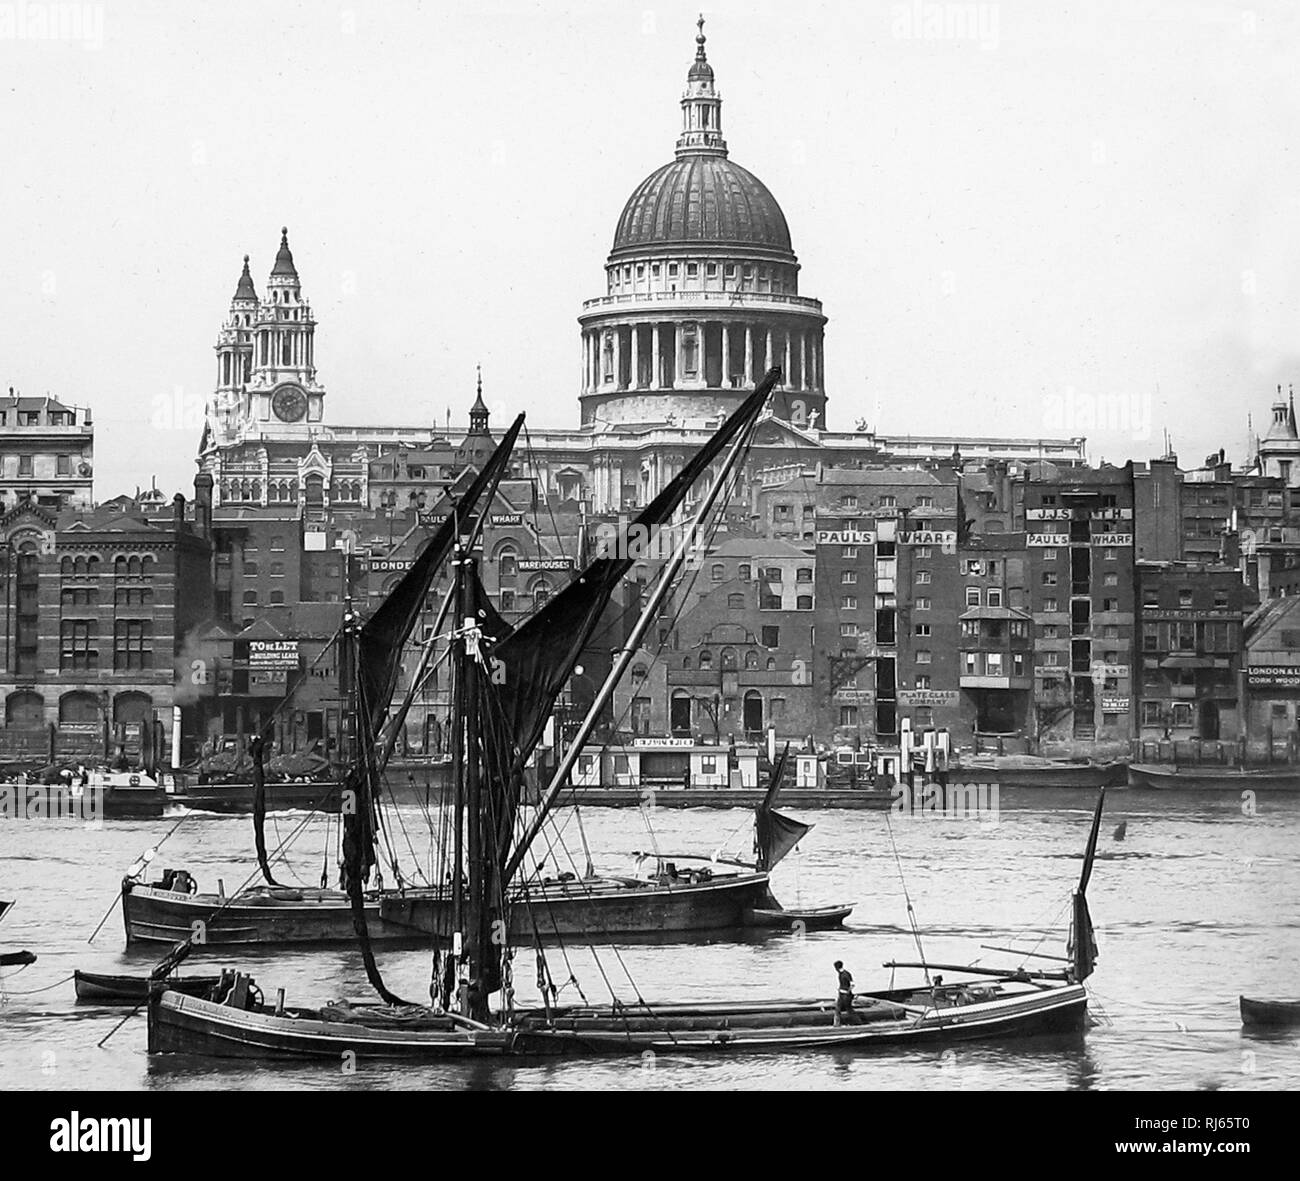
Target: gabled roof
[{"x": 261, "y": 629}]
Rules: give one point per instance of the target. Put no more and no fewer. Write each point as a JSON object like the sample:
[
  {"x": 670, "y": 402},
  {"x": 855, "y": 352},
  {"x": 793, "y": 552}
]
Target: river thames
[{"x": 1198, "y": 903}]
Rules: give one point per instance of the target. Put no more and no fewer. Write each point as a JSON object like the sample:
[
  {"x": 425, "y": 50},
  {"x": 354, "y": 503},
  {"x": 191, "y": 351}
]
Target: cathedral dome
[{"x": 702, "y": 199}]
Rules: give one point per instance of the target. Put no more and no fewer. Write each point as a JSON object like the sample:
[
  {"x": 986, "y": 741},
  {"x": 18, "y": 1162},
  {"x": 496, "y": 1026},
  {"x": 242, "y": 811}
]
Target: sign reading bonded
[{"x": 265, "y": 655}]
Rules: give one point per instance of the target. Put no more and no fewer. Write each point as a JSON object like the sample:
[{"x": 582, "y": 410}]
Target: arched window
[
  {"x": 132, "y": 708},
  {"x": 78, "y": 709},
  {"x": 65, "y": 567},
  {"x": 507, "y": 559},
  {"x": 729, "y": 660},
  {"x": 735, "y": 602},
  {"x": 706, "y": 659},
  {"x": 25, "y": 709},
  {"x": 541, "y": 592},
  {"x": 119, "y": 566},
  {"x": 250, "y": 598},
  {"x": 134, "y": 567},
  {"x": 686, "y": 662},
  {"x": 751, "y": 659},
  {"x": 718, "y": 572},
  {"x": 771, "y": 664},
  {"x": 277, "y": 597}
]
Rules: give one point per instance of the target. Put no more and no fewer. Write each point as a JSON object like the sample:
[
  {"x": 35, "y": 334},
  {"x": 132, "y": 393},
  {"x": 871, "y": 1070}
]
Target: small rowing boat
[
  {"x": 103, "y": 989},
  {"x": 813, "y": 918},
  {"x": 1277, "y": 1014}
]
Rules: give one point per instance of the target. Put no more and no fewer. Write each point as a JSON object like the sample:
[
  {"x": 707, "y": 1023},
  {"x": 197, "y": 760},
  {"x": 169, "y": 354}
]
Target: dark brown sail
[{"x": 531, "y": 664}]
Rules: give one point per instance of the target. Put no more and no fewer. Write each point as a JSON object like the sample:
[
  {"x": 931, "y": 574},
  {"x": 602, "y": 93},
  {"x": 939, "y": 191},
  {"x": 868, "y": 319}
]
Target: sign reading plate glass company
[
  {"x": 1047, "y": 540},
  {"x": 1273, "y": 676},
  {"x": 530, "y": 564},
  {"x": 272, "y": 654},
  {"x": 927, "y": 697},
  {"x": 844, "y": 537}
]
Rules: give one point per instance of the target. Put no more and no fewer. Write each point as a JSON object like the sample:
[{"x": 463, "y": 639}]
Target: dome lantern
[{"x": 701, "y": 107}]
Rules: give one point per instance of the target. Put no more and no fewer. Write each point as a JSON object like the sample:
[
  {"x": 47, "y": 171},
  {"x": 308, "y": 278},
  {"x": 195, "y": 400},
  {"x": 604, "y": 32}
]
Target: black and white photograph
[{"x": 556, "y": 546}]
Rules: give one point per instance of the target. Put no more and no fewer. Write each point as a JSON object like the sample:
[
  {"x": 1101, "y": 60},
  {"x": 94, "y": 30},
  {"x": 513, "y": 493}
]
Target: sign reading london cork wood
[{"x": 1273, "y": 676}]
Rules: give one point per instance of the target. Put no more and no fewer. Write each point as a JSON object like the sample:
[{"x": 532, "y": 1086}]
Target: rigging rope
[{"x": 911, "y": 914}]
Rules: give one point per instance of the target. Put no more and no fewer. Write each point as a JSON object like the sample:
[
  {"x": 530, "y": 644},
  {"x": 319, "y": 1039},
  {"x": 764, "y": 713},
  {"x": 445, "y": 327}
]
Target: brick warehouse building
[
  {"x": 1191, "y": 617},
  {"x": 96, "y": 607},
  {"x": 1079, "y": 563}
]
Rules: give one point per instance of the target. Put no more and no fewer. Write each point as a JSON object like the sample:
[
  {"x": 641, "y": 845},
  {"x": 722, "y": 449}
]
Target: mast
[
  {"x": 457, "y": 785},
  {"x": 473, "y": 995}
]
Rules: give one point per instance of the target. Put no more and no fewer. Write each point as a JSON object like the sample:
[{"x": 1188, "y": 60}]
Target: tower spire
[
  {"x": 245, "y": 289},
  {"x": 284, "y": 257},
  {"x": 701, "y": 106}
]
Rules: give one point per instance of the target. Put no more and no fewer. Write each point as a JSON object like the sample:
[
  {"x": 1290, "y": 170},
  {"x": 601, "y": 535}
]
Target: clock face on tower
[{"x": 289, "y": 403}]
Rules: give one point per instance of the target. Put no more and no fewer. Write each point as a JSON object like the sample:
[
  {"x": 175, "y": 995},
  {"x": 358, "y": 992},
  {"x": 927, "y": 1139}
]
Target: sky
[{"x": 1025, "y": 219}]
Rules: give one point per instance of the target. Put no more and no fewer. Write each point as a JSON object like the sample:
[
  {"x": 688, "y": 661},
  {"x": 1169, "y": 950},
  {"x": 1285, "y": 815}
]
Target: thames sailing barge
[
  {"x": 505, "y": 682},
  {"x": 699, "y": 897}
]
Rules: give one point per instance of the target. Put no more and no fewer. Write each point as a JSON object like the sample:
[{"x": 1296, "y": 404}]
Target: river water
[{"x": 1198, "y": 903}]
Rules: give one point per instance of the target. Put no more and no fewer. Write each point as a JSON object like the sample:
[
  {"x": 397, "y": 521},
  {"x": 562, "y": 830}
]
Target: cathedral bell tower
[
  {"x": 283, "y": 392},
  {"x": 266, "y": 362}
]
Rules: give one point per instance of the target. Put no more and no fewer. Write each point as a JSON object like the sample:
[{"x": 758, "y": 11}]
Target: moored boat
[
  {"x": 13, "y": 959},
  {"x": 813, "y": 918},
  {"x": 1031, "y": 771},
  {"x": 1173, "y": 777},
  {"x": 281, "y": 796},
  {"x": 262, "y": 915},
  {"x": 917, "y": 1016},
  {"x": 1274, "y": 1014},
  {"x": 668, "y": 796},
  {"x": 105, "y": 989}
]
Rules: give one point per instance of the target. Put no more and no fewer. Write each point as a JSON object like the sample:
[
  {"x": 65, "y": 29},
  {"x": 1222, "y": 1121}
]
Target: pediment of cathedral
[{"x": 775, "y": 432}]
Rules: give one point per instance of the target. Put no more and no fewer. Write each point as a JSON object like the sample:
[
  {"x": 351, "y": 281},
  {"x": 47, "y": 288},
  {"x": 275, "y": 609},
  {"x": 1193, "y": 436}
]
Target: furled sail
[
  {"x": 775, "y": 835},
  {"x": 1082, "y": 947},
  {"x": 257, "y": 748}
]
